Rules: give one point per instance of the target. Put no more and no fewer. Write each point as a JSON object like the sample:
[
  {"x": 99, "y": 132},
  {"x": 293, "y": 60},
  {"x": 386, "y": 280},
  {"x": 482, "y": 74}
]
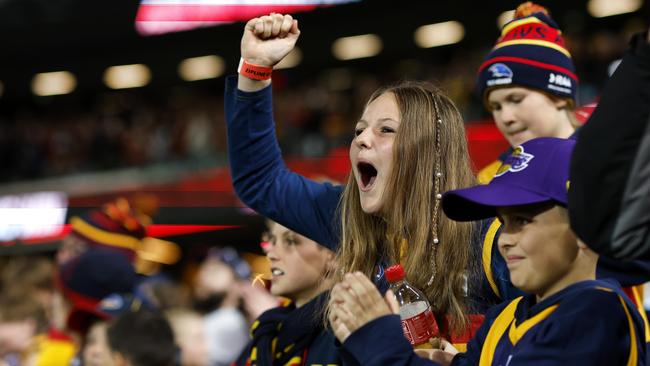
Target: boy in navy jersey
[{"x": 569, "y": 318}]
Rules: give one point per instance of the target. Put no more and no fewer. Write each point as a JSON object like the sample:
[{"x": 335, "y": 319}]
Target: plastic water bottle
[{"x": 418, "y": 322}]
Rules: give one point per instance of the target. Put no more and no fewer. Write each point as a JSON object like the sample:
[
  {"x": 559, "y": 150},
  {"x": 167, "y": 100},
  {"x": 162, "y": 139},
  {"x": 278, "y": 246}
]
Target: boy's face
[
  {"x": 538, "y": 246},
  {"x": 522, "y": 114}
]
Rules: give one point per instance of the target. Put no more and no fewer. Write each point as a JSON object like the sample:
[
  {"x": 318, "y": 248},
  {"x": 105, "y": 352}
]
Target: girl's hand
[
  {"x": 268, "y": 39},
  {"x": 356, "y": 301}
]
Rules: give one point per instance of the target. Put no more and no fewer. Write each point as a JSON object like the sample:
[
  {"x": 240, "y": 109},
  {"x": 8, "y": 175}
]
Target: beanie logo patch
[
  {"x": 559, "y": 83},
  {"x": 516, "y": 162},
  {"x": 500, "y": 71},
  {"x": 559, "y": 79},
  {"x": 500, "y": 75}
]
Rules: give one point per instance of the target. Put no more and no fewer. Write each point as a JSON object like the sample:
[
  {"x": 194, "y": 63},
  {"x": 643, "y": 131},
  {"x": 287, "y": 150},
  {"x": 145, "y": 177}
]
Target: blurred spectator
[
  {"x": 116, "y": 227},
  {"x": 142, "y": 338},
  {"x": 217, "y": 295},
  {"x": 96, "y": 351},
  {"x": 23, "y": 325},
  {"x": 90, "y": 278},
  {"x": 164, "y": 293},
  {"x": 189, "y": 331},
  {"x": 121, "y": 227},
  {"x": 30, "y": 276}
]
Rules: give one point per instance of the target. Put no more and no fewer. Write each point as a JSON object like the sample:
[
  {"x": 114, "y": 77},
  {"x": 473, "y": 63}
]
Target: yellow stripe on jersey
[
  {"x": 634, "y": 353},
  {"x": 516, "y": 332},
  {"x": 498, "y": 328},
  {"x": 488, "y": 243},
  {"x": 638, "y": 301}
]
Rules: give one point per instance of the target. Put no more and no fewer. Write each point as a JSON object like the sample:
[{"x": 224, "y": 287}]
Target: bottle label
[{"x": 419, "y": 328}]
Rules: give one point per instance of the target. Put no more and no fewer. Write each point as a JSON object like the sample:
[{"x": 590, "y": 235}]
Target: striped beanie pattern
[
  {"x": 115, "y": 226},
  {"x": 530, "y": 52}
]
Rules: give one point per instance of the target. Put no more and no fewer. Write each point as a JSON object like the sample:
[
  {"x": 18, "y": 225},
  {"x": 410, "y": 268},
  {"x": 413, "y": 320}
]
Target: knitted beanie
[
  {"x": 530, "y": 52},
  {"x": 115, "y": 226}
]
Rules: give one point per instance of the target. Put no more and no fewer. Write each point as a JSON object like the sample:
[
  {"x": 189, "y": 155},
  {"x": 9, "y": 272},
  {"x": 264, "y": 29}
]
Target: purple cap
[{"x": 535, "y": 172}]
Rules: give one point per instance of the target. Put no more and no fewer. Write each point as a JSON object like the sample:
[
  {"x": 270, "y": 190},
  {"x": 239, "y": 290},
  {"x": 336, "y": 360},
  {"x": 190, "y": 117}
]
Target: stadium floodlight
[
  {"x": 53, "y": 83},
  {"x": 606, "y": 8},
  {"x": 127, "y": 76},
  {"x": 201, "y": 68},
  {"x": 362, "y": 46},
  {"x": 439, "y": 34}
]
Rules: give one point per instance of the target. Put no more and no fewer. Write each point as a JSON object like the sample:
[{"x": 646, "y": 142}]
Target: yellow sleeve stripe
[
  {"x": 634, "y": 353},
  {"x": 488, "y": 242},
  {"x": 534, "y": 42},
  {"x": 638, "y": 300}
]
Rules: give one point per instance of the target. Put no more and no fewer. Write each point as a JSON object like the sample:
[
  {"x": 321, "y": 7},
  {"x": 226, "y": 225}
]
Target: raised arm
[{"x": 260, "y": 177}]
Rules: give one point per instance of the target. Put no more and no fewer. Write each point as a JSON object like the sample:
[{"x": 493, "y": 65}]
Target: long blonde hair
[{"x": 411, "y": 209}]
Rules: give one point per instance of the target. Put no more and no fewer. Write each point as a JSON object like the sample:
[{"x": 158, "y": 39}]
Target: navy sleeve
[
  {"x": 591, "y": 328},
  {"x": 260, "y": 177},
  {"x": 381, "y": 342},
  {"x": 632, "y": 273}
]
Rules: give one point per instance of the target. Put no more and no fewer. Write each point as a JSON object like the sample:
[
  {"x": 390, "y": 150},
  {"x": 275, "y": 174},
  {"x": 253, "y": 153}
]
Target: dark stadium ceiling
[{"x": 87, "y": 36}]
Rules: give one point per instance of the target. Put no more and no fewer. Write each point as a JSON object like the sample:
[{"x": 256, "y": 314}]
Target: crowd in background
[
  {"x": 55, "y": 310},
  {"x": 100, "y": 301},
  {"x": 112, "y": 130}
]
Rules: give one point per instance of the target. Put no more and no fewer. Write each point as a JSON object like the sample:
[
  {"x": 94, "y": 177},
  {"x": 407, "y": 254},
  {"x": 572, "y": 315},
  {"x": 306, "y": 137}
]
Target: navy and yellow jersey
[
  {"x": 290, "y": 336},
  {"x": 587, "y": 323},
  {"x": 631, "y": 275}
]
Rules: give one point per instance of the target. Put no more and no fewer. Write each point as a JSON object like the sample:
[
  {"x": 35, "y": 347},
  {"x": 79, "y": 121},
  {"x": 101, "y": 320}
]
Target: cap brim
[{"x": 480, "y": 202}]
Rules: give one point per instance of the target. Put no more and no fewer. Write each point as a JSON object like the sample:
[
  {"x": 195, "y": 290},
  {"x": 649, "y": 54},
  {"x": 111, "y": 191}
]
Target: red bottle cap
[{"x": 395, "y": 273}]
